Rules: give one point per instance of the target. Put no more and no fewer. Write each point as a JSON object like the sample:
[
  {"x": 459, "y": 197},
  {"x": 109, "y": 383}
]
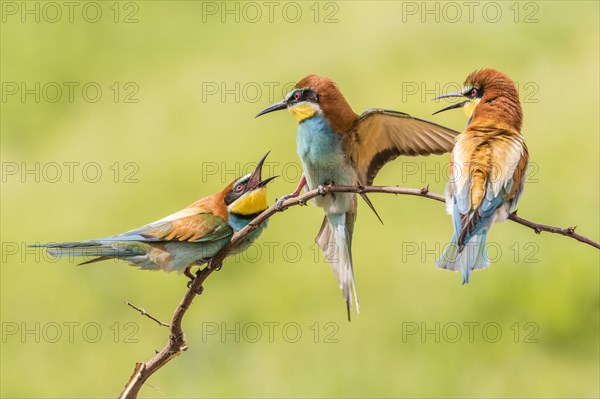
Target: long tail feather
[
  {"x": 335, "y": 240},
  {"x": 471, "y": 256},
  {"x": 93, "y": 249}
]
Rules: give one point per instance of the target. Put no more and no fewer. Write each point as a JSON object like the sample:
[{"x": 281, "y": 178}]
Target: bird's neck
[
  {"x": 305, "y": 111},
  {"x": 316, "y": 129},
  {"x": 499, "y": 112},
  {"x": 339, "y": 116},
  {"x": 238, "y": 221}
]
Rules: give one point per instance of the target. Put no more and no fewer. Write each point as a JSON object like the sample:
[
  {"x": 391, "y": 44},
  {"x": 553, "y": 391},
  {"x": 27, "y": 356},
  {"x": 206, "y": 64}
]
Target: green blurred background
[{"x": 173, "y": 132}]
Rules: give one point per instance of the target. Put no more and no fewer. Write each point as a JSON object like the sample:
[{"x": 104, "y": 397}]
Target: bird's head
[
  {"x": 317, "y": 95},
  {"x": 247, "y": 195},
  {"x": 491, "y": 98}
]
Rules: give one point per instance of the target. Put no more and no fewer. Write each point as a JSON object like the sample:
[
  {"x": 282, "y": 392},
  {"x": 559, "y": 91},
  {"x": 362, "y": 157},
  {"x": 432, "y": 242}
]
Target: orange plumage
[{"x": 488, "y": 165}]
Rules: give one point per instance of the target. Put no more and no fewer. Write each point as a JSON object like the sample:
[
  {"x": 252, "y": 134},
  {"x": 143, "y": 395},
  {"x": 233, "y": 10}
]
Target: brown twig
[
  {"x": 148, "y": 315},
  {"x": 176, "y": 343}
]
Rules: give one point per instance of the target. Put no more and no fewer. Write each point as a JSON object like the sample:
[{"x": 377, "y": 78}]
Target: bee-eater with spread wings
[
  {"x": 488, "y": 167},
  {"x": 337, "y": 146},
  {"x": 186, "y": 238}
]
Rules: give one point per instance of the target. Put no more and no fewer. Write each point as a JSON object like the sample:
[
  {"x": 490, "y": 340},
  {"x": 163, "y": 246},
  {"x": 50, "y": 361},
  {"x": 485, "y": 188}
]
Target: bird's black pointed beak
[
  {"x": 273, "y": 107},
  {"x": 266, "y": 181},
  {"x": 451, "y": 106},
  {"x": 255, "y": 178}
]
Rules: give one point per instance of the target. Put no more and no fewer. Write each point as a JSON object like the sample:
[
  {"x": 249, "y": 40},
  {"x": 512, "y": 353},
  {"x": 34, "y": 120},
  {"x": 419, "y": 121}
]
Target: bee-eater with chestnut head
[
  {"x": 488, "y": 167},
  {"x": 186, "y": 238},
  {"x": 337, "y": 146}
]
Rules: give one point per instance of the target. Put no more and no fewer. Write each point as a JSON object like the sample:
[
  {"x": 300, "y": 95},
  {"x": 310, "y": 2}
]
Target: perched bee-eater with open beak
[
  {"x": 488, "y": 167},
  {"x": 186, "y": 238},
  {"x": 337, "y": 146}
]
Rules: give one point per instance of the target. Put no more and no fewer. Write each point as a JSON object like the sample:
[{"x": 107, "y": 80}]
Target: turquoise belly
[
  {"x": 324, "y": 162},
  {"x": 321, "y": 153}
]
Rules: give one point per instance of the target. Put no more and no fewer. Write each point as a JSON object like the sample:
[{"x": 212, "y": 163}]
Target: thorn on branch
[
  {"x": 571, "y": 230},
  {"x": 425, "y": 190}
]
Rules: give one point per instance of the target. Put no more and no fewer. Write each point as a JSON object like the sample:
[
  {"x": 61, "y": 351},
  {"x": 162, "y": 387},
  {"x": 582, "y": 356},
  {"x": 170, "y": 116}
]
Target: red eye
[
  {"x": 473, "y": 92},
  {"x": 297, "y": 96},
  {"x": 239, "y": 188}
]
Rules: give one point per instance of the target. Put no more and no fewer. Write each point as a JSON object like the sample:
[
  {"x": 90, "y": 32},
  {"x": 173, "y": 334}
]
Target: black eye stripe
[{"x": 474, "y": 92}]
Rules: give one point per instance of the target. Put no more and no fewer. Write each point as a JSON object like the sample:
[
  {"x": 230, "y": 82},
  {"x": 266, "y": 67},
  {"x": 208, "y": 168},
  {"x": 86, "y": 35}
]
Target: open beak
[
  {"x": 273, "y": 107},
  {"x": 451, "y": 106},
  {"x": 255, "y": 178}
]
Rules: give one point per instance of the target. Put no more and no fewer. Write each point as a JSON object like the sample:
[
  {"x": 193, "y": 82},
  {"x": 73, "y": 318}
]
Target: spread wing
[
  {"x": 194, "y": 224},
  {"x": 379, "y": 136}
]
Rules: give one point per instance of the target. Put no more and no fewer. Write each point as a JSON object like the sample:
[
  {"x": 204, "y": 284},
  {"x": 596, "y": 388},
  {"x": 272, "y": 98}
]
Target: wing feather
[
  {"x": 379, "y": 136},
  {"x": 204, "y": 220},
  {"x": 202, "y": 226}
]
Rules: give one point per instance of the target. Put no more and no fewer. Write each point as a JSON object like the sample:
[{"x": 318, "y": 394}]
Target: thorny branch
[{"x": 176, "y": 343}]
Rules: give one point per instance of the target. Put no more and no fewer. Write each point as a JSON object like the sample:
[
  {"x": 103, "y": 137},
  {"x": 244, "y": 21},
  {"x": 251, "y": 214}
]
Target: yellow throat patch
[
  {"x": 250, "y": 204},
  {"x": 470, "y": 107},
  {"x": 302, "y": 111}
]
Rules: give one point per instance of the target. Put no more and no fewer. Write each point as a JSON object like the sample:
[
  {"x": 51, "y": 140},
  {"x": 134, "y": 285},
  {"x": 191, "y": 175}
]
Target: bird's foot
[
  {"x": 188, "y": 274},
  {"x": 280, "y": 201},
  {"x": 321, "y": 188},
  {"x": 188, "y": 270},
  {"x": 198, "y": 291},
  {"x": 191, "y": 283}
]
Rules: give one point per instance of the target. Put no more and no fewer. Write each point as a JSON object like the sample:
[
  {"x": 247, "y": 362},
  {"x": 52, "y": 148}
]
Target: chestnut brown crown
[
  {"x": 499, "y": 101},
  {"x": 332, "y": 103}
]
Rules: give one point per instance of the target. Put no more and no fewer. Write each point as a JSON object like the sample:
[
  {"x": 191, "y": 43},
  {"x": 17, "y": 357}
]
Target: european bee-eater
[
  {"x": 337, "y": 146},
  {"x": 488, "y": 167},
  {"x": 186, "y": 238}
]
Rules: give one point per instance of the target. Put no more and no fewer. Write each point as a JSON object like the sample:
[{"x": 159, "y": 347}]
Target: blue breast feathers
[{"x": 321, "y": 152}]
